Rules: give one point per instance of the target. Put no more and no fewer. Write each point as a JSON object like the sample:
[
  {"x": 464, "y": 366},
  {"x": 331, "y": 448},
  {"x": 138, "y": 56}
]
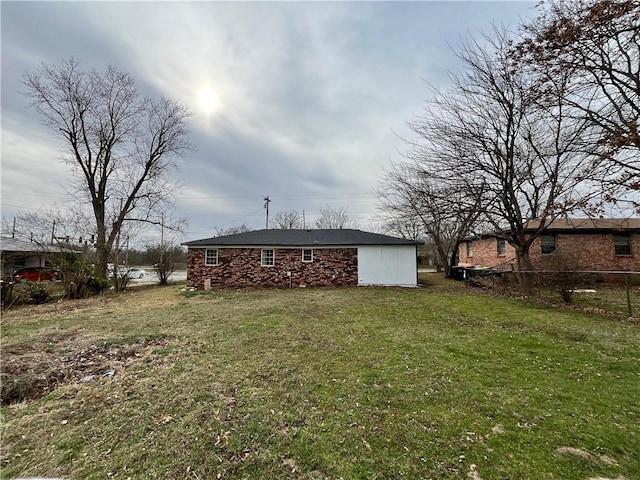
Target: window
[
  {"x": 267, "y": 259},
  {"x": 469, "y": 249},
  {"x": 501, "y": 247},
  {"x": 307, "y": 255},
  {"x": 622, "y": 244},
  {"x": 211, "y": 257},
  {"x": 548, "y": 243}
]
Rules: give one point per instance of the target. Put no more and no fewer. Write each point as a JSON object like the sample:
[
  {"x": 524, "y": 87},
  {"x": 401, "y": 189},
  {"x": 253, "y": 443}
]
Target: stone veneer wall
[
  {"x": 576, "y": 251},
  {"x": 240, "y": 267}
]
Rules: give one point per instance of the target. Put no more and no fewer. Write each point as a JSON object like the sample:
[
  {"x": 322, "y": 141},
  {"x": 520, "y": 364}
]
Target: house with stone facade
[
  {"x": 301, "y": 258},
  {"x": 610, "y": 244}
]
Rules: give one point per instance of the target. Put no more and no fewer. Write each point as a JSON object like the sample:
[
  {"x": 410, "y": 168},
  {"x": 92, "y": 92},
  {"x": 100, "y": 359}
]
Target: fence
[{"x": 614, "y": 292}]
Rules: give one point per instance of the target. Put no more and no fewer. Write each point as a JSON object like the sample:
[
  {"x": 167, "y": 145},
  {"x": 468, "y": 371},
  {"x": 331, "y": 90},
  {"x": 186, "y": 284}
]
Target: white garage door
[{"x": 387, "y": 265}]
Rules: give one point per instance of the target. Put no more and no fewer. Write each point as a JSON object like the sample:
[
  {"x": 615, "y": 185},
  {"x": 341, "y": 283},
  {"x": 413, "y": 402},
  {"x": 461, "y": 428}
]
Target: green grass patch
[{"x": 367, "y": 383}]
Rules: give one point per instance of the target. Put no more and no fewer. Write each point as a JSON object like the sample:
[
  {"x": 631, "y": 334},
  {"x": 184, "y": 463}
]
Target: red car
[{"x": 37, "y": 274}]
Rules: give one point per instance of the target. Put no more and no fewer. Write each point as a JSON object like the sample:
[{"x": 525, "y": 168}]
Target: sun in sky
[{"x": 208, "y": 101}]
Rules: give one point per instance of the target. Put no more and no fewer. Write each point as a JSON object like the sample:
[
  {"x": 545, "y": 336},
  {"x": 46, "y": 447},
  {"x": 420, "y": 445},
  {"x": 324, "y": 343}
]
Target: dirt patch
[
  {"x": 473, "y": 473},
  {"x": 497, "y": 429},
  {"x": 32, "y": 369},
  {"x": 587, "y": 456},
  {"x": 125, "y": 302},
  {"x": 27, "y": 312},
  {"x": 604, "y": 478}
]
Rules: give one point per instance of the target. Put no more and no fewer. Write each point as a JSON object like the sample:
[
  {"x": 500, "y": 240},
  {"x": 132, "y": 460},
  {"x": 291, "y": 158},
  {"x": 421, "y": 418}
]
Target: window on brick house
[
  {"x": 267, "y": 258},
  {"x": 622, "y": 244},
  {"x": 211, "y": 257},
  {"x": 501, "y": 246},
  {"x": 307, "y": 255},
  {"x": 469, "y": 249},
  {"x": 548, "y": 243}
]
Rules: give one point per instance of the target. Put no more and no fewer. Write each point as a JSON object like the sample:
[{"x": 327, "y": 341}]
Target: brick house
[
  {"x": 609, "y": 244},
  {"x": 301, "y": 258}
]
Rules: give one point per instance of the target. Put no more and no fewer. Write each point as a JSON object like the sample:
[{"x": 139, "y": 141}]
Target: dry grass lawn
[{"x": 437, "y": 382}]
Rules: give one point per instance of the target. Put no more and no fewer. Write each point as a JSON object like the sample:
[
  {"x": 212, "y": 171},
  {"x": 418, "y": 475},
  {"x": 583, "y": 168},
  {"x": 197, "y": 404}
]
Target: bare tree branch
[
  {"x": 121, "y": 145},
  {"x": 287, "y": 220},
  {"x": 335, "y": 218}
]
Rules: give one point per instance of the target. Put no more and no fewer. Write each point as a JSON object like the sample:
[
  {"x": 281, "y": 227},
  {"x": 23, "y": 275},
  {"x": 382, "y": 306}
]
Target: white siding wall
[{"x": 387, "y": 265}]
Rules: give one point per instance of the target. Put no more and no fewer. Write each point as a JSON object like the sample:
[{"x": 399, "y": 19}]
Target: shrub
[
  {"x": 99, "y": 285},
  {"x": 6, "y": 292},
  {"x": 26, "y": 293},
  {"x": 38, "y": 293},
  {"x": 82, "y": 285}
]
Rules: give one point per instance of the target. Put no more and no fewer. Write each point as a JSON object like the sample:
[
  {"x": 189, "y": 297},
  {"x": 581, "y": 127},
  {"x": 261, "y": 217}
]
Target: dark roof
[
  {"x": 576, "y": 226},
  {"x": 301, "y": 238},
  {"x": 579, "y": 225}
]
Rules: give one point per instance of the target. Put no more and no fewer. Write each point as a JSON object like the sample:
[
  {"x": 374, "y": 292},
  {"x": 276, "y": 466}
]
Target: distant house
[
  {"x": 18, "y": 254},
  {"x": 610, "y": 244},
  {"x": 301, "y": 258}
]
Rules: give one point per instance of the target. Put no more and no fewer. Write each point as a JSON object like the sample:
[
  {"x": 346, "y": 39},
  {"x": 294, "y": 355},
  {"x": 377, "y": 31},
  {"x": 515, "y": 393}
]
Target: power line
[{"x": 252, "y": 198}]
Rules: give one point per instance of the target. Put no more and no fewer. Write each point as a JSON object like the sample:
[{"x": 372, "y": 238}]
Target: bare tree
[
  {"x": 401, "y": 226},
  {"x": 335, "y": 218},
  {"x": 597, "y": 44},
  {"x": 49, "y": 226},
  {"x": 502, "y": 144},
  {"x": 165, "y": 255},
  {"x": 232, "y": 230},
  {"x": 287, "y": 220},
  {"x": 409, "y": 196},
  {"x": 121, "y": 146}
]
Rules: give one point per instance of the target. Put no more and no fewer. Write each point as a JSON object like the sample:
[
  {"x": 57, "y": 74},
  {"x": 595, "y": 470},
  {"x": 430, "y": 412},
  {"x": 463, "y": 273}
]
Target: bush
[
  {"x": 27, "y": 293},
  {"x": 38, "y": 293},
  {"x": 121, "y": 281},
  {"x": 82, "y": 285},
  {"x": 99, "y": 285},
  {"x": 6, "y": 292}
]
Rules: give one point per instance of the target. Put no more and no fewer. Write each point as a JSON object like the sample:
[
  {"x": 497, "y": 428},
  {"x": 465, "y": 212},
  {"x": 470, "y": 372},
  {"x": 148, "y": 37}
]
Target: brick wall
[
  {"x": 240, "y": 267},
  {"x": 485, "y": 253},
  {"x": 574, "y": 251}
]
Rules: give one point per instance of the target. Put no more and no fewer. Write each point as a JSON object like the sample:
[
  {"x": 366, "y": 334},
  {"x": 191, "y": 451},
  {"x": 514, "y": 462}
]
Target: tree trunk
[
  {"x": 525, "y": 269},
  {"x": 443, "y": 260},
  {"x": 102, "y": 247},
  {"x": 101, "y": 262},
  {"x": 453, "y": 261}
]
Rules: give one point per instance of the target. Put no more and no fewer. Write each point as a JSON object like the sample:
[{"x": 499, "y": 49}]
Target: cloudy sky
[{"x": 303, "y": 102}]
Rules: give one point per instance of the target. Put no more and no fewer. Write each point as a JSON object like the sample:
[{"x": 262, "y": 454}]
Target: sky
[{"x": 304, "y": 102}]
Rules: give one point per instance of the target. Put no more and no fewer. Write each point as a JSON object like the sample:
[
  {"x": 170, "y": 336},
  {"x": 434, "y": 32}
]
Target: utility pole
[{"x": 267, "y": 201}]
